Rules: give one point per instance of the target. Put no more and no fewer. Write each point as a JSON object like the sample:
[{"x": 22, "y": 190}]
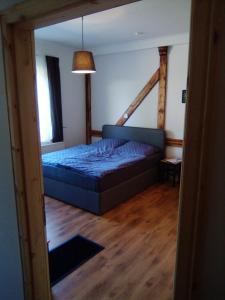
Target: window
[{"x": 44, "y": 106}]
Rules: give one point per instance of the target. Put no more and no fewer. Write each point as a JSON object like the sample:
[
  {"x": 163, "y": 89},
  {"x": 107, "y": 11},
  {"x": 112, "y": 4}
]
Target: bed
[{"x": 99, "y": 176}]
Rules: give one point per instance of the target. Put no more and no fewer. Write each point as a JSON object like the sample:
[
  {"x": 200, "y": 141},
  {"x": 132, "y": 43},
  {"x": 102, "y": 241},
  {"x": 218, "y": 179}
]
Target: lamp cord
[{"x": 82, "y": 33}]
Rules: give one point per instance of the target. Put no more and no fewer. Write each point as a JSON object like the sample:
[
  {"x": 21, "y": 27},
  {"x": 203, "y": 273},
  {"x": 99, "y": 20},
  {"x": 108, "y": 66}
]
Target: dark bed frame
[{"x": 101, "y": 202}]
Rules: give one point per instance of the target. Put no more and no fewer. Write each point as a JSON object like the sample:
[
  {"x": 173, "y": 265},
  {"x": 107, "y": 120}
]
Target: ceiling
[{"x": 146, "y": 19}]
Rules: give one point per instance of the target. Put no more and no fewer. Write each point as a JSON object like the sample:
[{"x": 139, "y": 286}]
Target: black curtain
[{"x": 55, "y": 97}]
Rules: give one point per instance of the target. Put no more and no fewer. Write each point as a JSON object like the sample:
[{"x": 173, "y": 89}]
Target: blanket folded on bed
[{"x": 99, "y": 158}]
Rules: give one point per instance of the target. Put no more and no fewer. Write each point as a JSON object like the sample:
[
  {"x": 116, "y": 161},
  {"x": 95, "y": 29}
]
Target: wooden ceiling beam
[{"x": 44, "y": 13}]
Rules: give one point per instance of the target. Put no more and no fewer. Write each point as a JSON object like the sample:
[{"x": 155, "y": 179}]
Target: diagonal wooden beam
[
  {"x": 162, "y": 86},
  {"x": 139, "y": 99}
]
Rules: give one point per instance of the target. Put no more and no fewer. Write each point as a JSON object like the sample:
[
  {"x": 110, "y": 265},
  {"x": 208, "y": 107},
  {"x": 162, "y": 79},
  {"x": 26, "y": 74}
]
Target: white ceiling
[{"x": 152, "y": 18}]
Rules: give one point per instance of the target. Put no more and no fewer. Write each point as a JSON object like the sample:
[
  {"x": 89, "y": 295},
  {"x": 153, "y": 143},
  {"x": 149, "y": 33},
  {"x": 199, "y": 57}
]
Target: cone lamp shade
[{"x": 83, "y": 62}]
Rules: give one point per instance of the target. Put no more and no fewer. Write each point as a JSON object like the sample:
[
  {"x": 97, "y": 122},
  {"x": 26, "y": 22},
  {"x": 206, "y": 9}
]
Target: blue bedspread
[{"x": 91, "y": 160}]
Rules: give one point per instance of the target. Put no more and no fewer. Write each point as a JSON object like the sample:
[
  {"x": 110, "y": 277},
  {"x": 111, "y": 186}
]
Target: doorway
[
  {"x": 47, "y": 43},
  {"x": 25, "y": 138}
]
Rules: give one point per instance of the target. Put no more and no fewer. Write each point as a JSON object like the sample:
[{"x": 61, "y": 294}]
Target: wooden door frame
[
  {"x": 199, "y": 270},
  {"x": 17, "y": 25}
]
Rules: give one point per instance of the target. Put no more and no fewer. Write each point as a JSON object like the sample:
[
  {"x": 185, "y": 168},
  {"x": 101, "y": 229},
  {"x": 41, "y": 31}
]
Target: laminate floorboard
[{"x": 139, "y": 237}]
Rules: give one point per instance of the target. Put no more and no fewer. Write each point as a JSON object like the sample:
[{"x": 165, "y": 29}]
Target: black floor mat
[{"x": 67, "y": 257}]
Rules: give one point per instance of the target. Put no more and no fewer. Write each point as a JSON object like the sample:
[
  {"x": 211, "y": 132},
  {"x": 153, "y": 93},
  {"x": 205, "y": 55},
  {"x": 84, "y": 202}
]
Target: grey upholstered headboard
[{"x": 151, "y": 136}]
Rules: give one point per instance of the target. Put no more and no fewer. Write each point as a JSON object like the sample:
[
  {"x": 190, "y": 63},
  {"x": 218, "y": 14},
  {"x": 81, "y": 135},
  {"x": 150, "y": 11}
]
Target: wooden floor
[{"x": 139, "y": 237}]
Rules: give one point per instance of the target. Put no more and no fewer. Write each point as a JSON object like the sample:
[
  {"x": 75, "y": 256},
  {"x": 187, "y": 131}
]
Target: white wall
[
  {"x": 121, "y": 76},
  {"x": 72, "y": 88},
  {"x": 177, "y": 81}
]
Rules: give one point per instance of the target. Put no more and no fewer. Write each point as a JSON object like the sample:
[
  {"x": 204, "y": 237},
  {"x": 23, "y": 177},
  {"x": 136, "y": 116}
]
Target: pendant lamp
[{"x": 83, "y": 61}]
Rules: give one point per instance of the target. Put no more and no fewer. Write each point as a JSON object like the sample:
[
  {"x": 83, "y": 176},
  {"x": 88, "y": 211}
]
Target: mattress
[{"x": 100, "y": 184}]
